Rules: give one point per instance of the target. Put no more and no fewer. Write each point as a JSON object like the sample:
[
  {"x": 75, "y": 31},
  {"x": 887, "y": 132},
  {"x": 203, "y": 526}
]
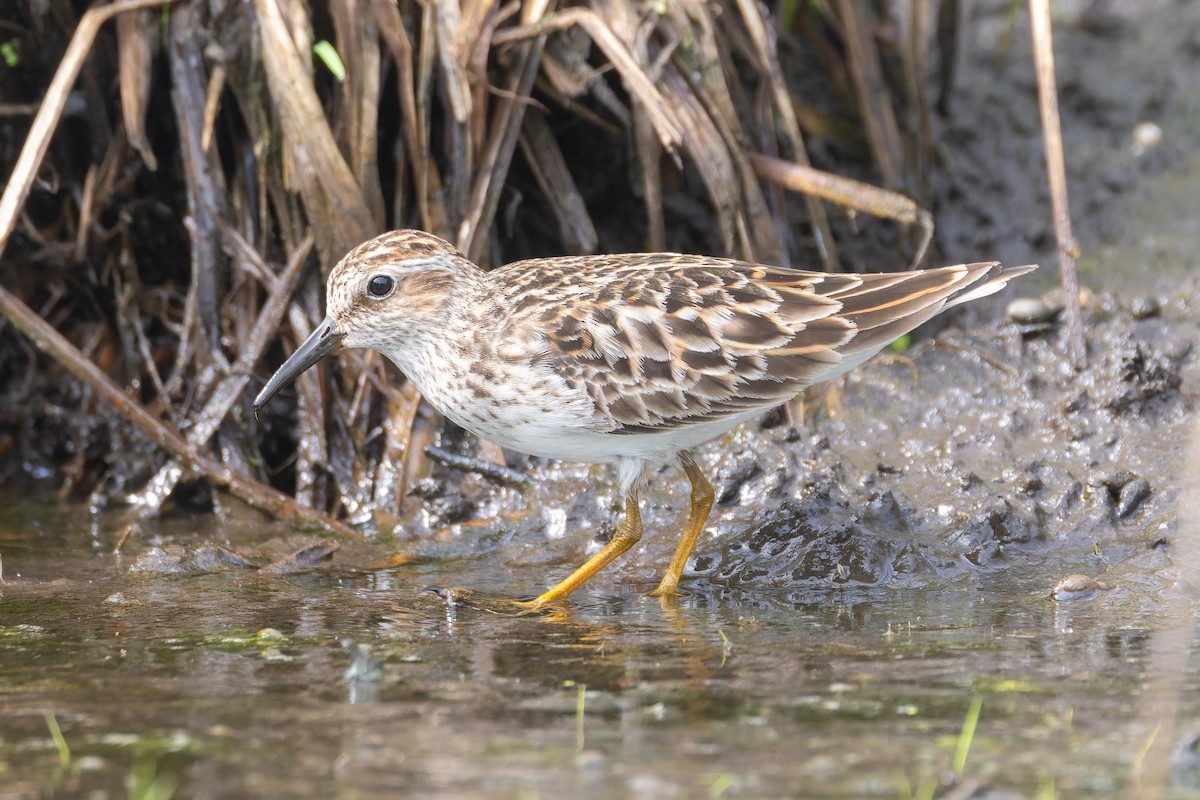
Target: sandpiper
[{"x": 625, "y": 359}]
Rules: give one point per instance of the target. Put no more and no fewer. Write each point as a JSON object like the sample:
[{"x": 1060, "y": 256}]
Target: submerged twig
[{"x": 506, "y": 476}]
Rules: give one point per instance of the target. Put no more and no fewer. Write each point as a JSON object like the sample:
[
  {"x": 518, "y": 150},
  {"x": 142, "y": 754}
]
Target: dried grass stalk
[{"x": 137, "y": 39}]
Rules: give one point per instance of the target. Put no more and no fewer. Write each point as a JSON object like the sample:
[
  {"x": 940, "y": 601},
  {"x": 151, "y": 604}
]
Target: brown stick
[
  {"x": 848, "y": 193},
  {"x": 1068, "y": 248}
]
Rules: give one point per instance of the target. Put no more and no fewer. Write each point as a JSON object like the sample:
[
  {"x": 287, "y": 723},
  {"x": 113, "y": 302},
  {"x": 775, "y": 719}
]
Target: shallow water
[{"x": 315, "y": 684}]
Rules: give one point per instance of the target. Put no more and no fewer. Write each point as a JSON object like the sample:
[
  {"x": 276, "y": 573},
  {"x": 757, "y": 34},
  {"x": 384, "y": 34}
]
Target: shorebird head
[{"x": 385, "y": 293}]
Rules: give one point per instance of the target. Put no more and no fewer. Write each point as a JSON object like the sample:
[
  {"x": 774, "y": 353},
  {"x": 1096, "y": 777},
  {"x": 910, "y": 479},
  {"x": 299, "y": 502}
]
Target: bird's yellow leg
[
  {"x": 702, "y": 501},
  {"x": 627, "y": 535}
]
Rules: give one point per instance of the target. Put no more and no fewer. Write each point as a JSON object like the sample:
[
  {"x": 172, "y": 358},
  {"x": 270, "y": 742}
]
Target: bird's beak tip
[{"x": 323, "y": 341}]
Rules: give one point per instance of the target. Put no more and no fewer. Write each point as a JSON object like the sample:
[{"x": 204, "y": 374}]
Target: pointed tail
[{"x": 993, "y": 282}]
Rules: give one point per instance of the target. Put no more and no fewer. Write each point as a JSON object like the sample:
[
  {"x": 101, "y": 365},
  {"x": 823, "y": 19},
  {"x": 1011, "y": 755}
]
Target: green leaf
[
  {"x": 902, "y": 344},
  {"x": 330, "y": 58}
]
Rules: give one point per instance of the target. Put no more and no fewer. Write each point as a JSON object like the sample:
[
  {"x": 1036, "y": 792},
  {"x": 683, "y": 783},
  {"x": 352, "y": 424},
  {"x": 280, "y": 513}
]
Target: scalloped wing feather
[{"x": 663, "y": 341}]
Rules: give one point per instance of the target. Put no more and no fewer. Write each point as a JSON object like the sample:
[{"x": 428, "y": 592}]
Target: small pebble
[
  {"x": 1077, "y": 587},
  {"x": 1113, "y": 481},
  {"x": 1144, "y": 307},
  {"x": 1029, "y": 310},
  {"x": 590, "y": 761},
  {"x": 1029, "y": 483},
  {"x": 1145, "y": 137},
  {"x": 1131, "y": 497},
  {"x": 1053, "y": 299}
]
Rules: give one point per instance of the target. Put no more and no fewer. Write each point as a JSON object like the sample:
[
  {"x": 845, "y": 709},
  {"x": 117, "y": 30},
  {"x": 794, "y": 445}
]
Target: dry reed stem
[
  {"x": 395, "y": 36},
  {"x": 1068, "y": 248},
  {"x": 136, "y": 40},
  {"x": 358, "y": 42},
  {"x": 485, "y": 194},
  {"x": 325, "y": 180},
  {"x": 915, "y": 67},
  {"x": 637, "y": 83},
  {"x": 553, "y": 176},
  {"x": 764, "y": 43},
  {"x": 713, "y": 161},
  {"x": 311, "y": 442},
  {"x": 447, "y": 24},
  {"x": 207, "y": 189},
  {"x": 849, "y": 193},
  {"x": 877, "y": 115},
  {"x": 392, "y": 476}
]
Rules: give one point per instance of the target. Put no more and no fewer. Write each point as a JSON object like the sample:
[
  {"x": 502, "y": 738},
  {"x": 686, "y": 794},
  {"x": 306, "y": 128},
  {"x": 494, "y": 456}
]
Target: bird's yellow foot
[
  {"x": 667, "y": 601},
  {"x": 461, "y": 596},
  {"x": 664, "y": 589}
]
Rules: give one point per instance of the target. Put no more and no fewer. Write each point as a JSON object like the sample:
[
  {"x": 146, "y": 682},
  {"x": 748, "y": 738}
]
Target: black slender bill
[{"x": 324, "y": 341}]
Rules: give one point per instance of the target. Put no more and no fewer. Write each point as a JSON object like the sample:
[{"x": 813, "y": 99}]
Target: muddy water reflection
[{"x": 318, "y": 686}]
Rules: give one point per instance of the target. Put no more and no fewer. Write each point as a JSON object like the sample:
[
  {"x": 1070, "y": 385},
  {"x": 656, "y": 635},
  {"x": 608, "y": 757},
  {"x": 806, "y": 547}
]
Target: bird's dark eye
[{"x": 380, "y": 286}]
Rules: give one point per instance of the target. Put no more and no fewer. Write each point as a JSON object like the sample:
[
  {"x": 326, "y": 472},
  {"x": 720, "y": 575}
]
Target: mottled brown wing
[{"x": 662, "y": 341}]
